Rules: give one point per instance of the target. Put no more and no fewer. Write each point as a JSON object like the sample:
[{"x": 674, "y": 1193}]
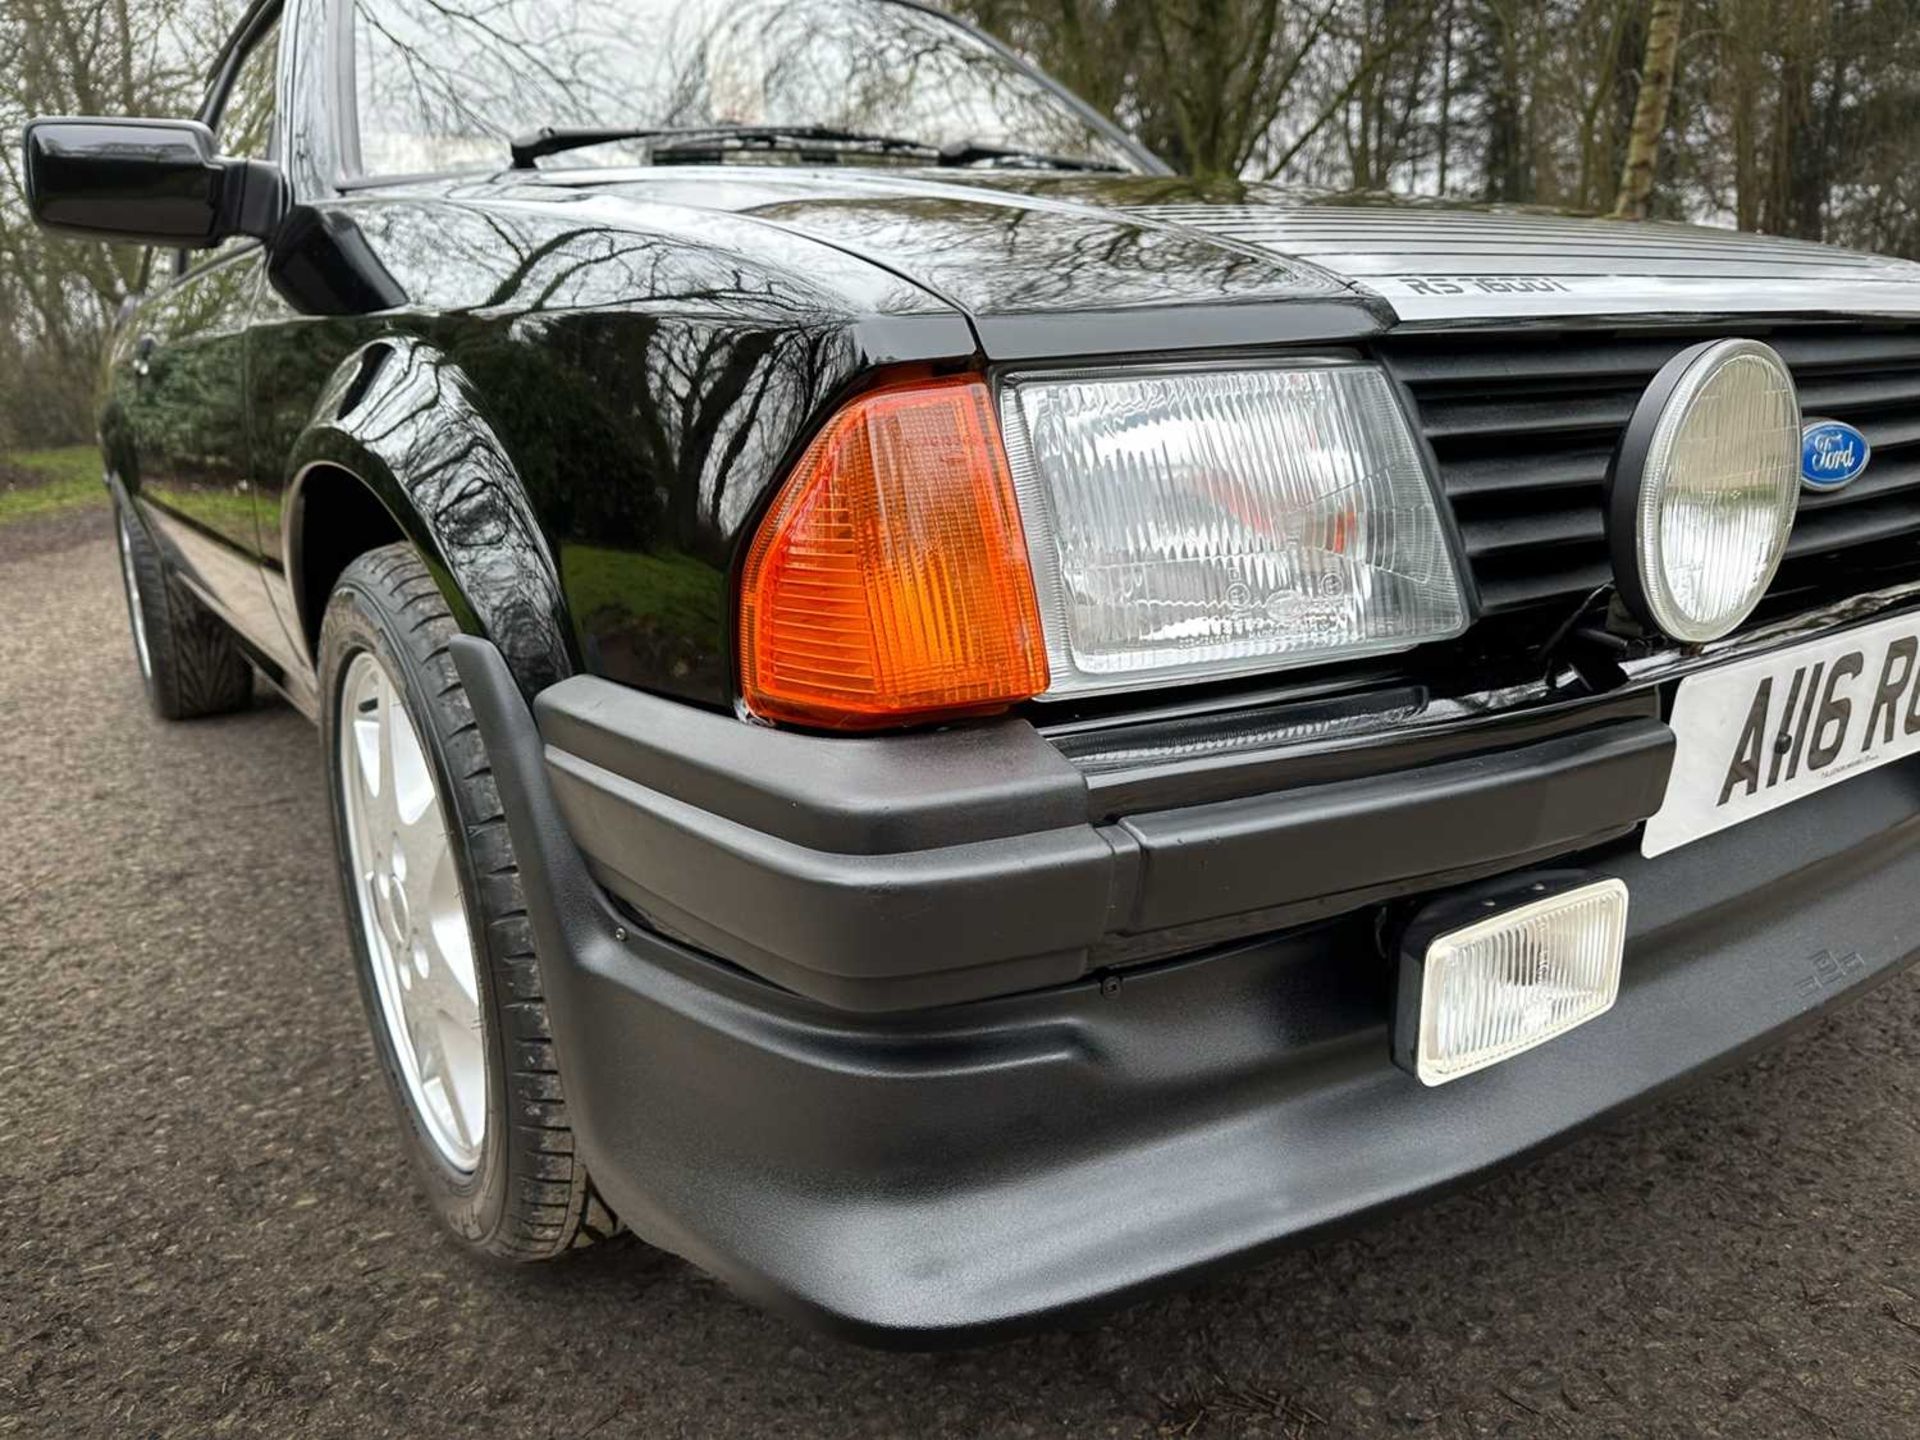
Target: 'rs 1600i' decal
[{"x": 1483, "y": 285}]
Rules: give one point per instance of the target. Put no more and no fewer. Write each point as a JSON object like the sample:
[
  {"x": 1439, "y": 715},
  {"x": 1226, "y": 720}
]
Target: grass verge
[{"x": 49, "y": 482}]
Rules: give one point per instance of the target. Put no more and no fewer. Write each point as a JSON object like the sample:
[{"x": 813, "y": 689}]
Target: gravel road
[{"x": 206, "y": 1230}]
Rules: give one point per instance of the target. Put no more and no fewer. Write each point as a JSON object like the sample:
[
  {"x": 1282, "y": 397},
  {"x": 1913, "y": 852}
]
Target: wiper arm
[
  {"x": 969, "y": 152},
  {"x": 684, "y": 143},
  {"x": 552, "y": 139},
  {"x": 697, "y": 145},
  {"x": 694, "y": 144},
  {"x": 682, "y": 140}
]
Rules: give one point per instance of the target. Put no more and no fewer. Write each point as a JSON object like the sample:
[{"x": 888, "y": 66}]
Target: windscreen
[{"x": 443, "y": 84}]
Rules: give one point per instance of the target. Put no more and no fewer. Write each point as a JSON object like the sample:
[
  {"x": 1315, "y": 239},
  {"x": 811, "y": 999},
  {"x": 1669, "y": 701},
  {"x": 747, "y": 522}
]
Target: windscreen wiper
[
  {"x": 693, "y": 148},
  {"x": 969, "y": 152},
  {"x": 691, "y": 144},
  {"x": 682, "y": 140}
]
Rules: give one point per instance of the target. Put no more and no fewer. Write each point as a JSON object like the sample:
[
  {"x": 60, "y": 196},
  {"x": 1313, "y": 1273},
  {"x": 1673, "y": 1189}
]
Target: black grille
[{"x": 1524, "y": 424}]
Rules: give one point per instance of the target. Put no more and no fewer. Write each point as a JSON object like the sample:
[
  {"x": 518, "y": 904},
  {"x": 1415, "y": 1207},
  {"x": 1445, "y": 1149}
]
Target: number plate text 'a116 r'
[{"x": 1755, "y": 735}]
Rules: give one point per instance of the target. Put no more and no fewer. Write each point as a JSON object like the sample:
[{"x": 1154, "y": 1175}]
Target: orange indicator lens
[{"x": 890, "y": 583}]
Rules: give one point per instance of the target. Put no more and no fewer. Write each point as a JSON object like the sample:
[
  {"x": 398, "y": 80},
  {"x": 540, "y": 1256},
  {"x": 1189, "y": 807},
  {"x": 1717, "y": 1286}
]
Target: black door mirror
[{"x": 147, "y": 182}]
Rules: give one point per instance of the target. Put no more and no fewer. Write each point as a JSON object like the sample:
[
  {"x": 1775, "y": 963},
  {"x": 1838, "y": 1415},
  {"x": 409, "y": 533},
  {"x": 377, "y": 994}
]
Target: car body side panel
[
  {"x": 176, "y": 442},
  {"x": 576, "y": 420}
]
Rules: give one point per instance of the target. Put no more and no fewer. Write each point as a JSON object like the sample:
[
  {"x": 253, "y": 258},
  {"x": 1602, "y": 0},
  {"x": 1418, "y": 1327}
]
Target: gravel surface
[{"x": 207, "y": 1230}]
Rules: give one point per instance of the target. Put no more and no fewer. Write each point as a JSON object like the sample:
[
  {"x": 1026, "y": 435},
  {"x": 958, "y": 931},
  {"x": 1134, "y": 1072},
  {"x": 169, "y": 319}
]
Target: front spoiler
[{"x": 952, "y": 1175}]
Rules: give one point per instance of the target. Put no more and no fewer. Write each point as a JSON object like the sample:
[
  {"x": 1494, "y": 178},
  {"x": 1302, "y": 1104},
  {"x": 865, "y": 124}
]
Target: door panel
[
  {"x": 180, "y": 393},
  {"x": 186, "y": 398}
]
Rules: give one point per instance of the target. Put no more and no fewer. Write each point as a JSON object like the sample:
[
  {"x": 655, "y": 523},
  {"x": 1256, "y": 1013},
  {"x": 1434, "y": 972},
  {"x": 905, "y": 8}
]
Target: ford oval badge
[{"x": 1832, "y": 454}]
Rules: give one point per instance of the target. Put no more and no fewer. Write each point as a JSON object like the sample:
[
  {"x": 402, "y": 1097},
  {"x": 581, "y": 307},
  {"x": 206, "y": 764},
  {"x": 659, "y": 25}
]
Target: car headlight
[
  {"x": 1107, "y": 530},
  {"x": 1704, "y": 488},
  {"x": 1191, "y": 524}
]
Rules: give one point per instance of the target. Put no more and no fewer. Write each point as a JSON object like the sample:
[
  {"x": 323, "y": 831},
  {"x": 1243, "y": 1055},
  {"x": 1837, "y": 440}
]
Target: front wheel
[{"x": 439, "y": 925}]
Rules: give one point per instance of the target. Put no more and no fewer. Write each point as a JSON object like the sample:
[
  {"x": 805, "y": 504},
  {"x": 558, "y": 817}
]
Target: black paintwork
[
  {"x": 575, "y": 388},
  {"x": 149, "y": 182}
]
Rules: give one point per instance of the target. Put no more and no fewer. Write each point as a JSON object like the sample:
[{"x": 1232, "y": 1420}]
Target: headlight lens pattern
[
  {"x": 1201, "y": 523},
  {"x": 1719, "y": 491}
]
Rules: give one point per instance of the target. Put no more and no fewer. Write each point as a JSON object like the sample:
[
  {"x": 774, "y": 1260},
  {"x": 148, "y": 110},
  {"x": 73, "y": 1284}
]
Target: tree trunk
[
  {"x": 1650, "y": 113},
  {"x": 1446, "y": 94},
  {"x": 1742, "y": 32}
]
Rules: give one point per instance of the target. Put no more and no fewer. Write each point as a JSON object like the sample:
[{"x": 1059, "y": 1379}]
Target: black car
[{"x": 955, "y": 726}]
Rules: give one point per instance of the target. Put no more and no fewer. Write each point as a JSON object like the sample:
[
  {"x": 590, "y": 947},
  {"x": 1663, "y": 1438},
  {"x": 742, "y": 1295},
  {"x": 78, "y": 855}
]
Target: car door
[{"x": 179, "y": 384}]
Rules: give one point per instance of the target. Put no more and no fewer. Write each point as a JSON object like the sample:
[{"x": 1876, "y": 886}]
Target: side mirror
[{"x": 147, "y": 182}]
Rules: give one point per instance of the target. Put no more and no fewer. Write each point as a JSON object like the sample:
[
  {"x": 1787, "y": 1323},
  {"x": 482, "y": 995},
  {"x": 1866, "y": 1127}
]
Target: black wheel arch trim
[{"x": 398, "y": 419}]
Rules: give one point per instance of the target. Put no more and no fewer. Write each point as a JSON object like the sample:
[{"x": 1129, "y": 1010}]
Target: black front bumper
[
  {"x": 943, "y": 1175},
  {"x": 908, "y": 871}
]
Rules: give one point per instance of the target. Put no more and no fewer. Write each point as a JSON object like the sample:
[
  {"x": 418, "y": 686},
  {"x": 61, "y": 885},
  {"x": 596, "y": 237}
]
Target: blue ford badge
[{"x": 1832, "y": 454}]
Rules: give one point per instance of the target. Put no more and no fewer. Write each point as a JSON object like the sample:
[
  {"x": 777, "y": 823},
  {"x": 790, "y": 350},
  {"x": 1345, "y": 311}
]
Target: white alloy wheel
[{"x": 413, "y": 911}]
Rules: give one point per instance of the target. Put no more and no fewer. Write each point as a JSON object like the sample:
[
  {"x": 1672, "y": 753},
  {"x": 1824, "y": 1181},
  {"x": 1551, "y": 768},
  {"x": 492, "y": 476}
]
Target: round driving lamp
[{"x": 1703, "y": 489}]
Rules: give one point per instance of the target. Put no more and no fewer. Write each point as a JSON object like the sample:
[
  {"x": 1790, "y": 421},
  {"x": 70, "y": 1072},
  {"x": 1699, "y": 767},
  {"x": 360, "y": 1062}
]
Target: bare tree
[
  {"x": 1650, "y": 113},
  {"x": 1798, "y": 117},
  {"x": 78, "y": 57}
]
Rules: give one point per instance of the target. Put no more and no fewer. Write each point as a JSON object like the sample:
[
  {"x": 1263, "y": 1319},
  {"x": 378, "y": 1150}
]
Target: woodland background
[{"x": 1791, "y": 117}]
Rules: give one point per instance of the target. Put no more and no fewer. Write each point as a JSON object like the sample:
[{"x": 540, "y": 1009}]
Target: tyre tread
[
  {"x": 551, "y": 1206},
  {"x": 197, "y": 666}
]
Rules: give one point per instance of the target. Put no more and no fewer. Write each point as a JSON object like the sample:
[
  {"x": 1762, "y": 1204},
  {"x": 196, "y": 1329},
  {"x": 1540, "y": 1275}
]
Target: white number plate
[{"x": 1760, "y": 733}]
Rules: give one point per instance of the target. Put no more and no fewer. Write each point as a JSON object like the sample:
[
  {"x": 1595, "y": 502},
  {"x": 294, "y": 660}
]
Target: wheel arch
[{"x": 396, "y": 450}]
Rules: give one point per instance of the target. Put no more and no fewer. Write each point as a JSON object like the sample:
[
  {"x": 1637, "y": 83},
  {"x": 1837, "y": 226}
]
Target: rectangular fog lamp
[{"x": 1537, "y": 962}]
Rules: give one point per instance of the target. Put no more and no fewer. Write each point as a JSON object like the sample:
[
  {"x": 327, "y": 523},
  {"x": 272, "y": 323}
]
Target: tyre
[
  {"x": 438, "y": 923},
  {"x": 189, "y": 661}
]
